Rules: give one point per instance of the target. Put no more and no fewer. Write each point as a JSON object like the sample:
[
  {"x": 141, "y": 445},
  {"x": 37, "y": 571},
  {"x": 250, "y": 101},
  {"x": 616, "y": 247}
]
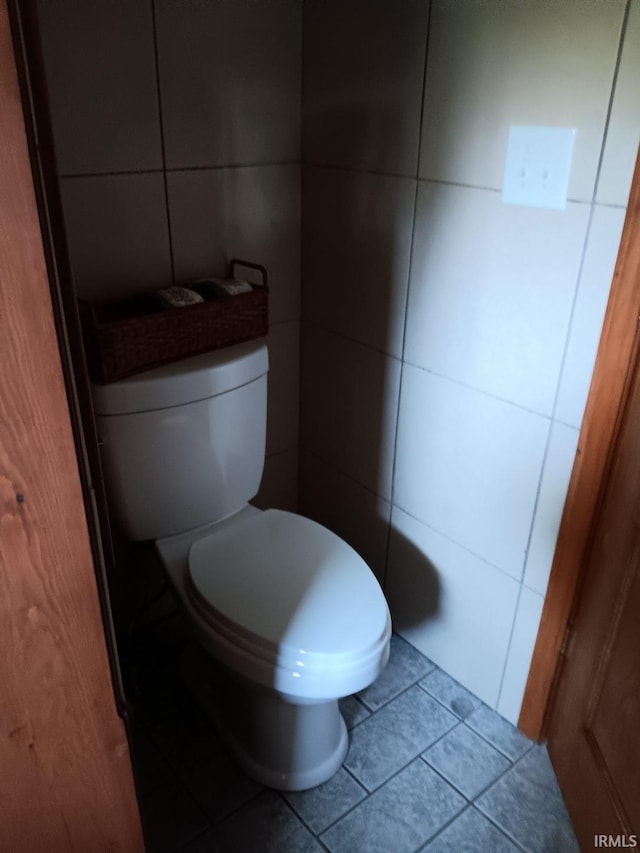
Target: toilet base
[{"x": 278, "y": 741}]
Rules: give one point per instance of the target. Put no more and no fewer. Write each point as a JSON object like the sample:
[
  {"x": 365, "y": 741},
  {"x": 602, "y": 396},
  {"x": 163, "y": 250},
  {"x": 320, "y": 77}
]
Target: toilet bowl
[
  {"x": 295, "y": 620},
  {"x": 290, "y": 617}
]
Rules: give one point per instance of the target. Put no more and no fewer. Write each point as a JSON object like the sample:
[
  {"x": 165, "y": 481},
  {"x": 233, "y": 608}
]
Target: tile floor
[{"x": 430, "y": 768}]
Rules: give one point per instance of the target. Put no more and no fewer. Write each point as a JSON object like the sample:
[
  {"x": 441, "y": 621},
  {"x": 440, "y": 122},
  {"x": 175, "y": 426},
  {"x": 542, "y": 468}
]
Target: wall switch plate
[{"x": 538, "y": 166}]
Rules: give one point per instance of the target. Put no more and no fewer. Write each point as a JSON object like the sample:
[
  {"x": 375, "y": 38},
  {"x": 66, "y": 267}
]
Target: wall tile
[
  {"x": 362, "y": 94},
  {"x": 553, "y": 491},
  {"x": 623, "y": 134},
  {"x": 250, "y": 213},
  {"x": 117, "y": 234},
  {"x": 591, "y": 302},
  {"x": 357, "y": 241},
  {"x": 349, "y": 406},
  {"x": 452, "y": 606},
  {"x": 520, "y": 652},
  {"x": 469, "y": 466},
  {"x": 491, "y": 291},
  {"x": 279, "y": 487},
  {"x": 101, "y": 76},
  {"x": 283, "y": 385},
  {"x": 351, "y": 511},
  {"x": 230, "y": 81},
  {"x": 493, "y": 64}
]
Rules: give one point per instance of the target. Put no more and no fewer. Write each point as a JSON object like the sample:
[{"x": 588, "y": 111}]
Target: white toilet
[{"x": 294, "y": 616}]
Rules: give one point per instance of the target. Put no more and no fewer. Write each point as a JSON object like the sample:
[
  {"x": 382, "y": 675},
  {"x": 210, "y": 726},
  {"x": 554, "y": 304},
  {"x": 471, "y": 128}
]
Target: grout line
[
  {"x": 402, "y": 360},
  {"x": 337, "y": 469},
  {"x": 289, "y": 807},
  {"x": 512, "y": 761},
  {"x": 178, "y": 169},
  {"x": 370, "y": 793},
  {"x": 585, "y": 246},
  {"x": 275, "y": 453},
  {"x": 354, "y": 170},
  {"x": 407, "y": 293},
  {"x": 275, "y": 324},
  {"x": 338, "y": 167},
  {"x": 220, "y": 167},
  {"x": 392, "y": 506},
  {"x": 501, "y": 829},
  {"x": 299, "y": 495},
  {"x": 477, "y": 390},
  {"x": 455, "y": 542},
  {"x": 162, "y": 141},
  {"x": 72, "y": 176},
  {"x": 519, "y": 595},
  {"x": 328, "y": 330},
  {"x": 614, "y": 83}
]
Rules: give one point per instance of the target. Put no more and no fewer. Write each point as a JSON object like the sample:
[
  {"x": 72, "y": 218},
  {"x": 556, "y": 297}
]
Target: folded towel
[{"x": 179, "y": 297}]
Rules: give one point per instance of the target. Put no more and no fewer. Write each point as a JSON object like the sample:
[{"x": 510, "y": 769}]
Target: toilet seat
[{"x": 293, "y": 596}]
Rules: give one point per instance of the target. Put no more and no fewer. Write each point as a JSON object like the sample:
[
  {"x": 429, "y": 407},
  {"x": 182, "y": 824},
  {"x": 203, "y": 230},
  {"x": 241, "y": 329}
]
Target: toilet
[{"x": 288, "y": 617}]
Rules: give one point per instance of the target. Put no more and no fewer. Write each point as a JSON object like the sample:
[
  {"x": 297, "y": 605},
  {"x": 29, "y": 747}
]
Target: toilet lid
[{"x": 291, "y": 588}]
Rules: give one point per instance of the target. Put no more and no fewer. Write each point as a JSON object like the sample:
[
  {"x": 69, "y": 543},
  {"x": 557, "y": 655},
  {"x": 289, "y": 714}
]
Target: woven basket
[{"x": 137, "y": 334}]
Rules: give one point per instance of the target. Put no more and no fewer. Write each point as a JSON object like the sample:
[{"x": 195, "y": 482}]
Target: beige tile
[
  {"x": 230, "y": 78},
  {"x": 588, "y": 315},
  {"x": 623, "y": 135},
  {"x": 553, "y": 492},
  {"x": 283, "y": 387},
  {"x": 357, "y": 242},
  {"x": 449, "y": 604},
  {"x": 469, "y": 465},
  {"x": 101, "y": 77},
  {"x": 117, "y": 235},
  {"x": 494, "y": 64},
  {"x": 523, "y": 640},
  {"x": 349, "y": 405},
  {"x": 251, "y": 213},
  {"x": 351, "y": 511},
  {"x": 363, "y": 72},
  {"x": 279, "y": 486},
  {"x": 491, "y": 291}
]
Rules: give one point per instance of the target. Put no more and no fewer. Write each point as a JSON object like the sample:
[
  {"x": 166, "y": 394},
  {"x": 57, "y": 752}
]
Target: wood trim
[
  {"x": 596, "y": 436},
  {"x": 66, "y": 782}
]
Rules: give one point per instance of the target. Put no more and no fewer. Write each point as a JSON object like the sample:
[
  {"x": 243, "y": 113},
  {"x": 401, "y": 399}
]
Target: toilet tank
[{"x": 183, "y": 445}]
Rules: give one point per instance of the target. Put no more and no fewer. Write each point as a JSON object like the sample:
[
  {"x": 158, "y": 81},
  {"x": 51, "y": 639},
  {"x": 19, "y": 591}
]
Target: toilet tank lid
[{"x": 186, "y": 381}]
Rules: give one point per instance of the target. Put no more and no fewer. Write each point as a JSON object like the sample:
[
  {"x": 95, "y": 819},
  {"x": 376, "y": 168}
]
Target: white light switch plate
[{"x": 538, "y": 166}]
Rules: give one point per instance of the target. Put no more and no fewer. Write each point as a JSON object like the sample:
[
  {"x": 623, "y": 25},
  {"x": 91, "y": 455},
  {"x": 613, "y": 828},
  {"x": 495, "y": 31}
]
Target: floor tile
[
  {"x": 470, "y": 833},
  {"x": 386, "y": 741},
  {"x": 403, "y": 814},
  {"x": 170, "y": 818},
  {"x": 322, "y": 806},
  {"x": 526, "y": 802},
  {"x": 406, "y": 665},
  {"x": 219, "y": 786},
  {"x": 353, "y": 711},
  {"x": 466, "y": 760},
  {"x": 499, "y": 732},
  {"x": 452, "y": 694},
  {"x": 205, "y": 843},
  {"x": 185, "y": 738},
  {"x": 150, "y": 768},
  {"x": 265, "y": 825}
]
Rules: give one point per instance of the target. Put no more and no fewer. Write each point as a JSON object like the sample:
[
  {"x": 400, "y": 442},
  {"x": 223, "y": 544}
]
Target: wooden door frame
[
  {"x": 66, "y": 782},
  {"x": 598, "y": 431}
]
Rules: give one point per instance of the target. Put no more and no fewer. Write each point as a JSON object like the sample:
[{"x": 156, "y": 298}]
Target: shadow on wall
[{"x": 357, "y": 228}]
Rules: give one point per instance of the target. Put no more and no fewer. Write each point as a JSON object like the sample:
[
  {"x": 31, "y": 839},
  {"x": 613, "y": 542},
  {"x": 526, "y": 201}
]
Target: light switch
[{"x": 538, "y": 166}]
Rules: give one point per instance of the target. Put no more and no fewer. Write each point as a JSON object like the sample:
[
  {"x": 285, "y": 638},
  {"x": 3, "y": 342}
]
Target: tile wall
[
  {"x": 177, "y": 137},
  {"x": 448, "y": 339}
]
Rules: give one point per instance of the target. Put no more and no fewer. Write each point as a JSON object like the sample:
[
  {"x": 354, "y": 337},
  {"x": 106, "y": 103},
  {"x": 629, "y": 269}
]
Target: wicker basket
[{"x": 137, "y": 334}]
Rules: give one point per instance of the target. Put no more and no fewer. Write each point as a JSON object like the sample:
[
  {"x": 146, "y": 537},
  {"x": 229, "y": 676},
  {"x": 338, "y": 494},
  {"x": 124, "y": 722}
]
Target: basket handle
[{"x": 236, "y": 262}]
